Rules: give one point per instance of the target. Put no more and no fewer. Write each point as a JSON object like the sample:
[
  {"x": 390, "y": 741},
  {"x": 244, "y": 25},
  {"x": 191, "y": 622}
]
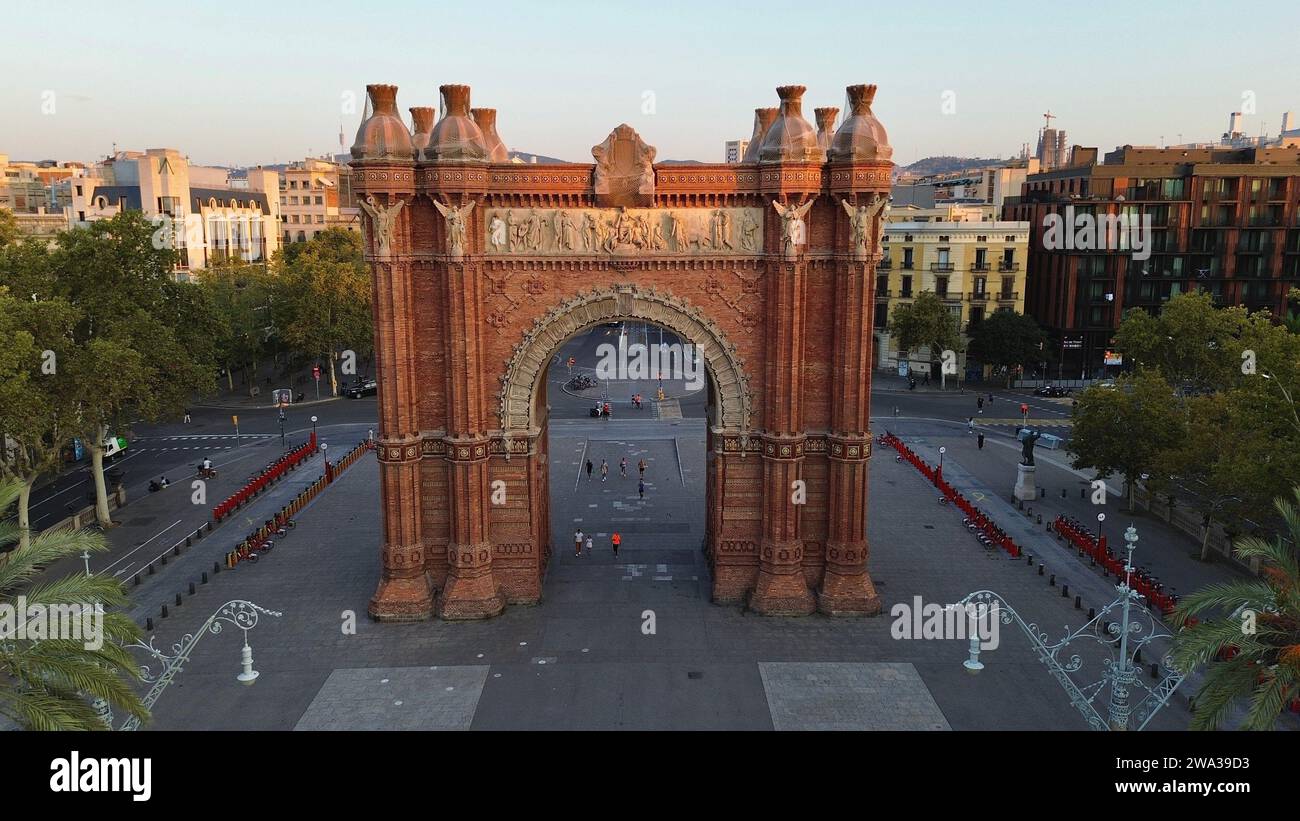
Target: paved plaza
[{"x": 621, "y": 643}]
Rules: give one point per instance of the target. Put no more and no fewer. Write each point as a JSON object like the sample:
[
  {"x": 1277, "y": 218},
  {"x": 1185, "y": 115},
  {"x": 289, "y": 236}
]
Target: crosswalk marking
[{"x": 1059, "y": 422}]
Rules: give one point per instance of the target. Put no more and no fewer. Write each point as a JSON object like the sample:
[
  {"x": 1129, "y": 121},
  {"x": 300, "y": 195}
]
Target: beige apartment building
[
  {"x": 210, "y": 215},
  {"x": 972, "y": 260},
  {"x": 315, "y": 194}
]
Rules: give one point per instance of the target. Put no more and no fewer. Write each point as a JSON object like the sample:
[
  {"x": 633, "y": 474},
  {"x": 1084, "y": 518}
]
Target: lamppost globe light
[{"x": 313, "y": 420}]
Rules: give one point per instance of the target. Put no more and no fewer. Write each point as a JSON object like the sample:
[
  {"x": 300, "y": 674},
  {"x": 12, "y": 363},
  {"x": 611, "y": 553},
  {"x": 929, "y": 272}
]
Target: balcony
[
  {"x": 1009, "y": 296},
  {"x": 982, "y": 296},
  {"x": 941, "y": 267},
  {"x": 885, "y": 265},
  {"x": 908, "y": 266},
  {"x": 884, "y": 294},
  {"x": 980, "y": 268},
  {"x": 1008, "y": 267}
]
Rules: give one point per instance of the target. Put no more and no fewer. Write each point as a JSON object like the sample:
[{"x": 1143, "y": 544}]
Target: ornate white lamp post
[
  {"x": 1120, "y": 674},
  {"x": 240, "y": 613}
]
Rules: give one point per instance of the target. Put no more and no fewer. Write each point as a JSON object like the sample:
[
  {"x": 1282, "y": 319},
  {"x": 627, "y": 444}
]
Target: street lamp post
[
  {"x": 313, "y": 428},
  {"x": 240, "y": 613},
  {"x": 1120, "y": 672}
]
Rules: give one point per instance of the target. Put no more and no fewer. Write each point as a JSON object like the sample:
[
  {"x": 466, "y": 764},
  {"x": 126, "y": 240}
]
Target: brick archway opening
[{"x": 525, "y": 402}]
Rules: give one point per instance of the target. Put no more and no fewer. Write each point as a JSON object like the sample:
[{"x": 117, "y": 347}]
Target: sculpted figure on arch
[
  {"x": 382, "y": 222},
  {"x": 793, "y": 230},
  {"x": 456, "y": 217}
]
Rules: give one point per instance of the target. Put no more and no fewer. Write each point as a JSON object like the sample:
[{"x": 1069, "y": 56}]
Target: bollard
[
  {"x": 209, "y": 527},
  {"x": 1040, "y": 521},
  {"x": 137, "y": 579},
  {"x": 1092, "y": 614},
  {"x": 162, "y": 559},
  {"x": 150, "y": 568},
  {"x": 148, "y": 626},
  {"x": 1042, "y": 493},
  {"x": 1040, "y": 570},
  {"x": 1065, "y": 591},
  {"x": 1062, "y": 493},
  {"x": 205, "y": 577},
  {"x": 1078, "y": 602},
  {"x": 1031, "y": 559},
  {"x": 177, "y": 549},
  {"x": 178, "y": 599},
  {"x": 1051, "y": 581},
  {"x": 1155, "y": 670},
  {"x": 187, "y": 542},
  {"x": 191, "y": 588},
  {"x": 164, "y": 611},
  {"x": 1020, "y": 504},
  {"x": 198, "y": 534}
]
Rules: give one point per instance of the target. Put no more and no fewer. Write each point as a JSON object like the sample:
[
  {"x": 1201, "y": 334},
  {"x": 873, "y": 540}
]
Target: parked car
[
  {"x": 368, "y": 387},
  {"x": 1052, "y": 390}
]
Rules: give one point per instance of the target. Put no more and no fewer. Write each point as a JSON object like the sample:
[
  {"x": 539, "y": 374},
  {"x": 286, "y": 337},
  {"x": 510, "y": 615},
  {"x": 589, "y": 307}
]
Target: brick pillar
[
  {"x": 404, "y": 592},
  {"x": 846, "y": 587},
  {"x": 781, "y": 587},
  {"x": 471, "y": 592}
]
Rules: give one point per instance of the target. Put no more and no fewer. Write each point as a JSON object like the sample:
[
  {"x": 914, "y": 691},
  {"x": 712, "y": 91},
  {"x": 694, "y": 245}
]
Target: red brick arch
[{"x": 482, "y": 269}]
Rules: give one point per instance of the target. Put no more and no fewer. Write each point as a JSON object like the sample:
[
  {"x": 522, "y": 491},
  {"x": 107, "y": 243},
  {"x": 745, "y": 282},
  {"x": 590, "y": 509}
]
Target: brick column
[
  {"x": 846, "y": 587},
  {"x": 404, "y": 591},
  {"x": 471, "y": 591},
  {"x": 781, "y": 588}
]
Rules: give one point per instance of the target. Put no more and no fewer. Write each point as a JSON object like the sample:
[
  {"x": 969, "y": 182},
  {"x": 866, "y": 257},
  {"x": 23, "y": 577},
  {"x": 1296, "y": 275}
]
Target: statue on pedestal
[{"x": 1027, "y": 446}]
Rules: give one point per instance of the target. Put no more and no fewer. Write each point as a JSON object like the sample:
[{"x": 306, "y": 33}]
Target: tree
[
  {"x": 1126, "y": 430},
  {"x": 143, "y": 344},
  {"x": 926, "y": 322},
  {"x": 1258, "y": 621},
  {"x": 9, "y": 232},
  {"x": 322, "y": 298},
  {"x": 1008, "y": 339},
  {"x": 240, "y": 295},
  {"x": 45, "y": 682},
  {"x": 1194, "y": 344},
  {"x": 37, "y": 404}
]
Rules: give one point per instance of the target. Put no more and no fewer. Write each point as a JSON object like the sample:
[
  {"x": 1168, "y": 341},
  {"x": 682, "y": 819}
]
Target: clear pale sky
[{"x": 259, "y": 82}]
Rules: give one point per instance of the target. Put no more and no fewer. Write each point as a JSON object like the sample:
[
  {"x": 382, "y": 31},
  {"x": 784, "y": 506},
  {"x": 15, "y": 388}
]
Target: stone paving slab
[
  {"x": 397, "y": 698},
  {"x": 839, "y": 696}
]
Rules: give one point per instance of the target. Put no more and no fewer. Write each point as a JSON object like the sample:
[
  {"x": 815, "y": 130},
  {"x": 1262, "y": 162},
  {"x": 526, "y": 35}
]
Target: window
[
  {"x": 907, "y": 286},
  {"x": 293, "y": 184},
  {"x": 941, "y": 287},
  {"x": 320, "y": 201},
  {"x": 907, "y": 259}
]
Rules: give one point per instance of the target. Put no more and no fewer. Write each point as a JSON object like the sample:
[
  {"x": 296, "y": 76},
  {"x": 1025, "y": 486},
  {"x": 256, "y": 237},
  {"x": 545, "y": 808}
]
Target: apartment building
[
  {"x": 316, "y": 194},
  {"x": 973, "y": 261},
  {"x": 210, "y": 214},
  {"x": 1140, "y": 225}
]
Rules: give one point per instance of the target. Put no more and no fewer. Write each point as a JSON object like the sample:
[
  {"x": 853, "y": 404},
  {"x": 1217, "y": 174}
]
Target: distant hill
[
  {"x": 946, "y": 165},
  {"x": 524, "y": 156}
]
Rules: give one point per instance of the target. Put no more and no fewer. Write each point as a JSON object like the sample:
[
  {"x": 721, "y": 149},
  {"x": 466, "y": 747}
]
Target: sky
[{"x": 242, "y": 83}]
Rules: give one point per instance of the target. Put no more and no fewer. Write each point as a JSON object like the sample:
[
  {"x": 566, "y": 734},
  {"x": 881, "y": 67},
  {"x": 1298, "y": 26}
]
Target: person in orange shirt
[{"x": 616, "y": 540}]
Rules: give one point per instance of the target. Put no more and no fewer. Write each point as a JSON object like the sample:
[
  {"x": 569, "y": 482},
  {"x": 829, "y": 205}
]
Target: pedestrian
[
  {"x": 616, "y": 540},
  {"x": 926, "y": 381},
  {"x": 187, "y": 416},
  {"x": 588, "y": 545},
  {"x": 604, "y": 470},
  {"x": 640, "y": 487},
  {"x": 640, "y": 466},
  {"x": 600, "y": 409},
  {"x": 970, "y": 425},
  {"x": 622, "y": 466},
  {"x": 608, "y": 411},
  {"x": 980, "y": 440},
  {"x": 577, "y": 542},
  {"x": 980, "y": 403},
  {"x": 589, "y": 467},
  {"x": 990, "y": 399}
]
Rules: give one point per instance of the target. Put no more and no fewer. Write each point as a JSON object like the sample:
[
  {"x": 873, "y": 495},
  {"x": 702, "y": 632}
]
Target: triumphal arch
[{"x": 483, "y": 268}]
